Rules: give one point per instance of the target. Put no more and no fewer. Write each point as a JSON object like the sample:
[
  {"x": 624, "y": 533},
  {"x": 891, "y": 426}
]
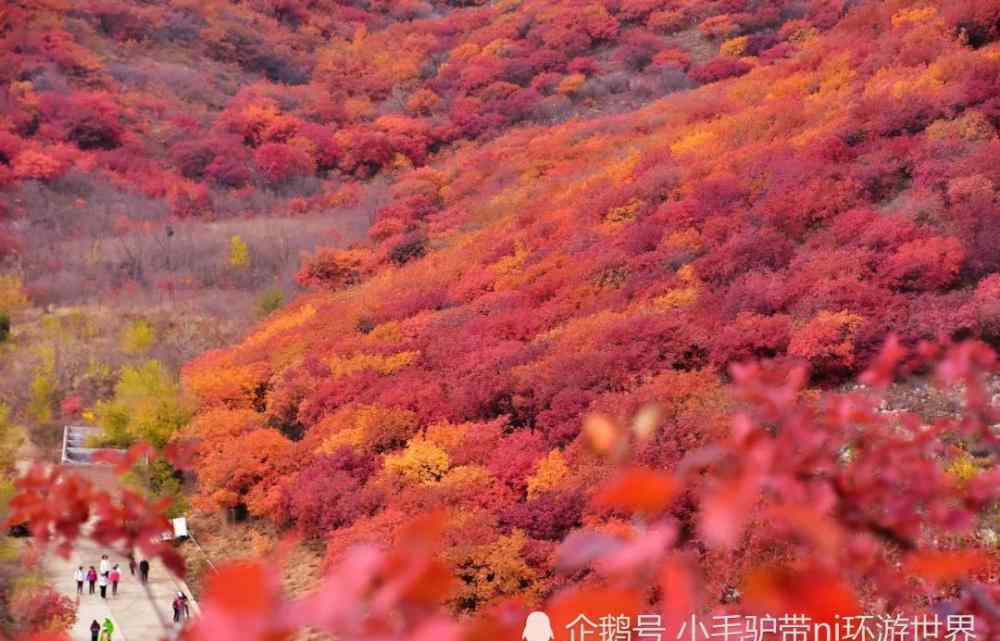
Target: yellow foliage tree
[
  {"x": 42, "y": 390},
  {"x": 571, "y": 84},
  {"x": 552, "y": 473},
  {"x": 734, "y": 47},
  {"x": 447, "y": 436},
  {"x": 421, "y": 462},
  {"x": 138, "y": 337},
  {"x": 10, "y": 439},
  {"x": 239, "y": 253},
  {"x": 383, "y": 364},
  {"x": 492, "y": 571},
  {"x": 385, "y": 427},
  {"x": 148, "y": 405},
  {"x": 12, "y": 296},
  {"x": 371, "y": 427}
]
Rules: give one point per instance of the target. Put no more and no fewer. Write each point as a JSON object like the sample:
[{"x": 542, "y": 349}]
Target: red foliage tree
[
  {"x": 330, "y": 493},
  {"x": 280, "y": 162},
  {"x": 928, "y": 264},
  {"x": 720, "y": 69}
]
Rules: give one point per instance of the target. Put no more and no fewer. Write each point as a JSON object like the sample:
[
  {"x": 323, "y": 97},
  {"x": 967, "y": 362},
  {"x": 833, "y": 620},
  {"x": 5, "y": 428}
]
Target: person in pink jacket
[
  {"x": 91, "y": 578},
  {"x": 115, "y": 577}
]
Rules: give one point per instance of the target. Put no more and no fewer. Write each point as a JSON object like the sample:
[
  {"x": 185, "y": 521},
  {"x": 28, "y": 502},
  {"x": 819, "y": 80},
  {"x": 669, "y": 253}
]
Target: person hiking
[
  {"x": 144, "y": 570},
  {"x": 178, "y": 605},
  {"x": 79, "y": 576},
  {"x": 105, "y": 565},
  {"x": 109, "y": 628},
  {"x": 115, "y": 576},
  {"x": 95, "y": 630},
  {"x": 91, "y": 578},
  {"x": 185, "y": 606},
  {"x": 102, "y": 582},
  {"x": 131, "y": 563}
]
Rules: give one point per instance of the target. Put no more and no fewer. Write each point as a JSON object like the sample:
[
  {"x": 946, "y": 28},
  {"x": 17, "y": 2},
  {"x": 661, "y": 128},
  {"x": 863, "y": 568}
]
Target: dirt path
[
  {"x": 133, "y": 613},
  {"x": 134, "y": 610}
]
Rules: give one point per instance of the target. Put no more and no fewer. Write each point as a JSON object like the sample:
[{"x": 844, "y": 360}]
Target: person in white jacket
[
  {"x": 79, "y": 577},
  {"x": 105, "y": 565}
]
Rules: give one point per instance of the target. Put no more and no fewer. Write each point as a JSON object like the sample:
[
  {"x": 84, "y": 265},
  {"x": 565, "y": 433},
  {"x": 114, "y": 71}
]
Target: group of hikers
[{"x": 107, "y": 574}]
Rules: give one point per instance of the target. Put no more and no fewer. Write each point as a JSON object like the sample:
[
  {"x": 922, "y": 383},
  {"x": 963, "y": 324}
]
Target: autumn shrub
[
  {"x": 549, "y": 516},
  {"x": 638, "y": 49},
  {"x": 280, "y": 162},
  {"x": 827, "y": 342},
  {"x": 719, "y": 69},
  {"x": 41, "y": 609},
  {"x": 987, "y": 307},
  {"x": 925, "y": 264},
  {"x": 977, "y": 21},
  {"x": 246, "y": 473},
  {"x": 269, "y": 301},
  {"x": 92, "y": 120},
  {"x": 331, "y": 269},
  {"x": 751, "y": 337},
  {"x": 331, "y": 492},
  {"x": 408, "y": 248}
]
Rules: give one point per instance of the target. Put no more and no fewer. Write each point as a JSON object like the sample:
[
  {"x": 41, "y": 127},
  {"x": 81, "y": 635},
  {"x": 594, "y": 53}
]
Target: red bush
[
  {"x": 279, "y": 162},
  {"x": 921, "y": 265},
  {"x": 719, "y": 69}
]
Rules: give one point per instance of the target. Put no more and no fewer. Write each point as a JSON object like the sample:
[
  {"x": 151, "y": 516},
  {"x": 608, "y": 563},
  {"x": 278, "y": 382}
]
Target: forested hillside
[
  {"x": 803, "y": 211},
  {"x": 143, "y": 117},
  {"x": 505, "y": 263}
]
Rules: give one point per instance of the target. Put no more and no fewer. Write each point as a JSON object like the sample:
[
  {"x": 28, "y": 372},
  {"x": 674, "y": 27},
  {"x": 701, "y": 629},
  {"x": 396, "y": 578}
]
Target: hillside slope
[
  {"x": 124, "y": 126},
  {"x": 800, "y": 211}
]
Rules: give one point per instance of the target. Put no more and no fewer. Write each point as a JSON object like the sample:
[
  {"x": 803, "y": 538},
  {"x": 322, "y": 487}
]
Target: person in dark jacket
[
  {"x": 102, "y": 582},
  {"x": 144, "y": 571},
  {"x": 95, "y": 629}
]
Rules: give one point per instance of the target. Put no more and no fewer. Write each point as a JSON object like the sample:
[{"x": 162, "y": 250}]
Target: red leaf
[
  {"x": 122, "y": 463},
  {"x": 242, "y": 587},
  {"x": 944, "y": 567},
  {"x": 180, "y": 454},
  {"x": 592, "y": 602},
  {"x": 678, "y": 586},
  {"x": 881, "y": 372},
  {"x": 815, "y": 592},
  {"x": 725, "y": 510},
  {"x": 174, "y": 562},
  {"x": 642, "y": 553},
  {"x": 503, "y": 621},
  {"x": 582, "y": 547},
  {"x": 640, "y": 491},
  {"x": 813, "y": 526}
]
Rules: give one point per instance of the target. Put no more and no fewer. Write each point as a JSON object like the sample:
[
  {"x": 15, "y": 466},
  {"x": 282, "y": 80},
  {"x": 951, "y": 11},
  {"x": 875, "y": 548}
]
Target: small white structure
[
  {"x": 180, "y": 528},
  {"x": 75, "y": 450}
]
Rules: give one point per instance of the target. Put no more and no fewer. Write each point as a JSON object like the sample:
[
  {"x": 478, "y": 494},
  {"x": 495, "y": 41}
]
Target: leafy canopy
[{"x": 147, "y": 405}]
